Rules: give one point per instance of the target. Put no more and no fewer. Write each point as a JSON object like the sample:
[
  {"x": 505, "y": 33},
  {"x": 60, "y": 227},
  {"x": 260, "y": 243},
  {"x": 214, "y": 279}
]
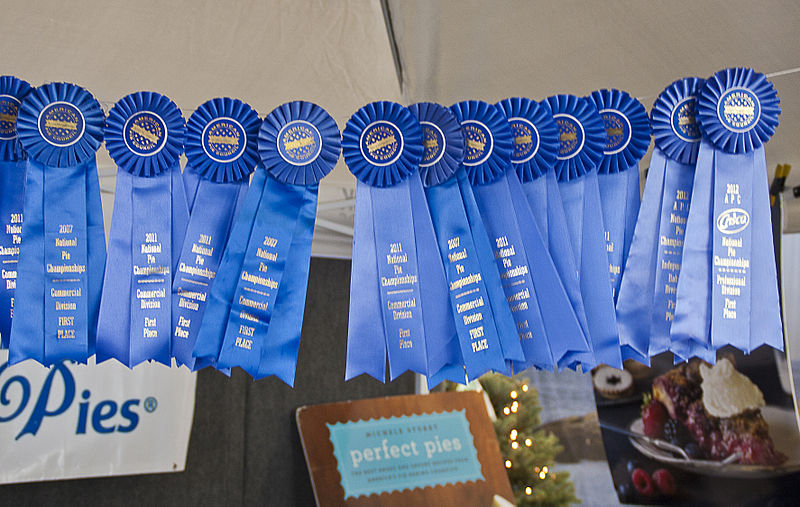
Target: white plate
[{"x": 782, "y": 429}]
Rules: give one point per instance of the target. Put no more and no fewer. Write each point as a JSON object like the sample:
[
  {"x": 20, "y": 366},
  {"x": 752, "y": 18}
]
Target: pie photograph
[{"x": 675, "y": 433}]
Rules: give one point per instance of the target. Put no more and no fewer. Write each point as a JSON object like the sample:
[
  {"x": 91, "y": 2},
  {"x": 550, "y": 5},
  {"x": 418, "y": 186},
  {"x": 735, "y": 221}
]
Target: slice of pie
[{"x": 720, "y": 408}]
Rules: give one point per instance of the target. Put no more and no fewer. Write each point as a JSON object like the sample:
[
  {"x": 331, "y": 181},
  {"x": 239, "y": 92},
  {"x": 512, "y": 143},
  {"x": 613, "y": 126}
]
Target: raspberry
[
  {"x": 642, "y": 482},
  {"x": 664, "y": 481},
  {"x": 654, "y": 416}
]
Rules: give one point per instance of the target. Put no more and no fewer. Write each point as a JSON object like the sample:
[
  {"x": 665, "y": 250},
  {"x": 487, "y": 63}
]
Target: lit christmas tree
[{"x": 528, "y": 454}]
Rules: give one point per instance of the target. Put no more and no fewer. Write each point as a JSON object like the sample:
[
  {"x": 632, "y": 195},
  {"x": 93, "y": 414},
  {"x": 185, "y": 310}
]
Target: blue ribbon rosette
[
  {"x": 537, "y": 175},
  {"x": 443, "y": 150},
  {"x": 13, "y": 91},
  {"x": 258, "y": 297},
  {"x": 391, "y": 273},
  {"x": 469, "y": 338},
  {"x": 12, "y": 195},
  {"x": 727, "y": 293},
  {"x": 627, "y": 140},
  {"x": 221, "y": 150},
  {"x": 493, "y": 186},
  {"x": 534, "y": 154},
  {"x": 646, "y": 303},
  {"x": 555, "y": 280},
  {"x": 582, "y": 139},
  {"x": 60, "y": 269},
  {"x": 144, "y": 135}
]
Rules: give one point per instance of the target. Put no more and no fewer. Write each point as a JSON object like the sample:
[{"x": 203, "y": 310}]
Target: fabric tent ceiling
[{"x": 341, "y": 55}]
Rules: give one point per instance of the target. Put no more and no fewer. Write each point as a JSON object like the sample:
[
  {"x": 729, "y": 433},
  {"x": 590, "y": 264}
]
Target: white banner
[{"x": 72, "y": 421}]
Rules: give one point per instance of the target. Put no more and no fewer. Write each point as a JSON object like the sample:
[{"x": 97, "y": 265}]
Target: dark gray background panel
[{"x": 244, "y": 448}]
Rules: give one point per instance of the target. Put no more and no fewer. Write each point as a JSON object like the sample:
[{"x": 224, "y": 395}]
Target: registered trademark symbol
[{"x": 150, "y": 404}]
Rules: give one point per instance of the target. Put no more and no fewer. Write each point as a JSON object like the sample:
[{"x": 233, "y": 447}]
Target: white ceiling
[
  {"x": 336, "y": 54},
  {"x": 339, "y": 55},
  {"x": 456, "y": 50}
]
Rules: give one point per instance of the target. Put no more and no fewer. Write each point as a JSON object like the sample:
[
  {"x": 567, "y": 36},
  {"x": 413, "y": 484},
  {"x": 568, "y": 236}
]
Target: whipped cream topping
[{"x": 726, "y": 392}]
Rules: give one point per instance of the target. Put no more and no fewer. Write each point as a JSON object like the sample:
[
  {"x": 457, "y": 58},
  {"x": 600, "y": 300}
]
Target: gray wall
[{"x": 244, "y": 448}]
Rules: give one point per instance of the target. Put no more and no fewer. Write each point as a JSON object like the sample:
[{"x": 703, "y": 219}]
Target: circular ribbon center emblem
[
  {"x": 145, "y": 133},
  {"x": 618, "y": 131},
  {"x": 739, "y": 109},
  {"x": 570, "y": 136},
  {"x": 526, "y": 140},
  {"x": 61, "y": 124},
  {"x": 684, "y": 120},
  {"x": 9, "y": 108},
  {"x": 381, "y": 143},
  {"x": 299, "y": 142},
  {"x": 224, "y": 139},
  {"x": 478, "y": 142},
  {"x": 433, "y": 140}
]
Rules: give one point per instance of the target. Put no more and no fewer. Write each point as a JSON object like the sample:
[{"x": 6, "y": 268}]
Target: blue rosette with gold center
[
  {"x": 299, "y": 143},
  {"x": 627, "y": 140},
  {"x": 12, "y": 91},
  {"x": 144, "y": 133},
  {"x": 674, "y": 120},
  {"x": 394, "y": 276},
  {"x": 60, "y": 269},
  {"x": 535, "y": 137},
  {"x": 12, "y": 191},
  {"x": 258, "y": 298},
  {"x": 144, "y": 136},
  {"x": 581, "y": 134},
  {"x": 654, "y": 258},
  {"x": 221, "y": 151},
  {"x": 488, "y": 140},
  {"x": 459, "y": 242},
  {"x": 536, "y": 145},
  {"x": 382, "y": 144},
  {"x": 627, "y": 130},
  {"x": 60, "y": 125},
  {"x": 582, "y": 139},
  {"x": 738, "y": 110},
  {"x": 529, "y": 282},
  {"x": 443, "y": 141},
  {"x": 728, "y": 292},
  {"x": 222, "y": 140}
]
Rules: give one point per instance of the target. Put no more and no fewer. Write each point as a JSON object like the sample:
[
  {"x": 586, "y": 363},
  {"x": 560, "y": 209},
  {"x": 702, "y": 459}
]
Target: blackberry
[
  {"x": 626, "y": 493},
  {"x": 632, "y": 465},
  {"x": 694, "y": 451},
  {"x": 676, "y": 433}
]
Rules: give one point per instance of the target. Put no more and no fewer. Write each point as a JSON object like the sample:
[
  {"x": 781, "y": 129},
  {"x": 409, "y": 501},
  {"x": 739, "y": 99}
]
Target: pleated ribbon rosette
[
  {"x": 62, "y": 256},
  {"x": 728, "y": 290},
  {"x": 221, "y": 149},
  {"x": 12, "y": 195},
  {"x": 144, "y": 135},
  {"x": 257, "y": 301}
]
